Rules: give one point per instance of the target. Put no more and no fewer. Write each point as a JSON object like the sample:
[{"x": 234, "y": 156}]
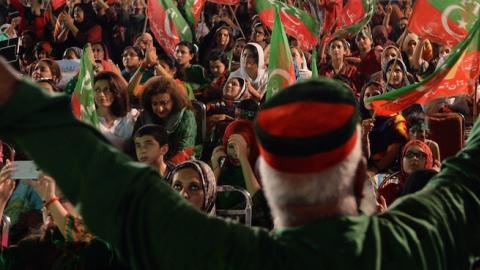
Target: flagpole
[
  {"x": 475, "y": 109},
  {"x": 146, "y": 18},
  {"x": 236, "y": 21}
]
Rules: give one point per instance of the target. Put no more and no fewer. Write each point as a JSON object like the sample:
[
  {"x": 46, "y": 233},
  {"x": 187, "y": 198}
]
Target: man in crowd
[{"x": 312, "y": 171}]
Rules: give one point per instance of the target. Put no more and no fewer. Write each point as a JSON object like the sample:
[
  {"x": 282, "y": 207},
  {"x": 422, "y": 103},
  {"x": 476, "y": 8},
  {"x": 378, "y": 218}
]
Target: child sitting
[{"x": 151, "y": 145}]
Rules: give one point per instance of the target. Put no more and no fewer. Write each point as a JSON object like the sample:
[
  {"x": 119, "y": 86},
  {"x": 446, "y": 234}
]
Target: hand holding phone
[{"x": 25, "y": 169}]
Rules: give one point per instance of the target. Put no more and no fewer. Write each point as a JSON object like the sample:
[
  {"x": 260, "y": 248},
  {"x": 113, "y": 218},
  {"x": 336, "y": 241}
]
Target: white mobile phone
[{"x": 25, "y": 169}]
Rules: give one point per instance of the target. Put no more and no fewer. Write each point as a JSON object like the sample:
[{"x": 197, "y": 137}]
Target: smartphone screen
[{"x": 25, "y": 169}]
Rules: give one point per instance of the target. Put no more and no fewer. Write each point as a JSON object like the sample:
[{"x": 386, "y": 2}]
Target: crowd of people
[{"x": 150, "y": 108}]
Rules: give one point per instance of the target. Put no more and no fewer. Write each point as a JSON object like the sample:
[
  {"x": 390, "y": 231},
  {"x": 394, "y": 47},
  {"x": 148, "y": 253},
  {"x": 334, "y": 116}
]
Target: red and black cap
[{"x": 308, "y": 127}]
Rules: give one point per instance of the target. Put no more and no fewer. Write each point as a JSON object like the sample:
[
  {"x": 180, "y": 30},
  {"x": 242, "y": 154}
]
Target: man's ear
[{"x": 164, "y": 149}]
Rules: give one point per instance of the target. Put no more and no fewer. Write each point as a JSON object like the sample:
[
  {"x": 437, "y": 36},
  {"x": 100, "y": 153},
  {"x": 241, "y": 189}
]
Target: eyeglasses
[
  {"x": 419, "y": 155},
  {"x": 104, "y": 91}
]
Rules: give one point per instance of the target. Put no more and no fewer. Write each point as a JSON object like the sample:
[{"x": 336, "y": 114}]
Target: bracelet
[{"x": 52, "y": 200}]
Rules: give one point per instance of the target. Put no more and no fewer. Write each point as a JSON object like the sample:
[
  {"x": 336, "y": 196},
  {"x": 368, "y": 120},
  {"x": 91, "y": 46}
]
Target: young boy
[{"x": 151, "y": 144}]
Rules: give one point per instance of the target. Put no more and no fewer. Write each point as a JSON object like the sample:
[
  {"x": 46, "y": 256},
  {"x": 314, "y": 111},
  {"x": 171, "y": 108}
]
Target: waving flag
[
  {"x": 297, "y": 23},
  {"x": 356, "y": 14},
  {"x": 167, "y": 24},
  {"x": 82, "y": 98},
  {"x": 444, "y": 21},
  {"x": 225, "y": 2},
  {"x": 193, "y": 10},
  {"x": 455, "y": 77},
  {"x": 281, "y": 72}
]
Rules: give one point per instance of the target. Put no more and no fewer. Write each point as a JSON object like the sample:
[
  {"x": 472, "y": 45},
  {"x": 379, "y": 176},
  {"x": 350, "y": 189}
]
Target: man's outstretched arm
[{"x": 122, "y": 201}]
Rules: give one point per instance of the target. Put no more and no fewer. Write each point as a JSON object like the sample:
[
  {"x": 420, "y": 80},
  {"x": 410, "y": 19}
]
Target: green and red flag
[
  {"x": 225, "y": 2},
  {"x": 313, "y": 64},
  {"x": 298, "y": 23},
  {"x": 167, "y": 24},
  {"x": 444, "y": 21},
  {"x": 193, "y": 10},
  {"x": 355, "y": 15},
  {"x": 281, "y": 71},
  {"x": 456, "y": 76},
  {"x": 83, "y": 104}
]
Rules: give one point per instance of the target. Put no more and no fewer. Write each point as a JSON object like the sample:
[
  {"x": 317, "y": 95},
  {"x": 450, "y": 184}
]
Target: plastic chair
[
  {"x": 448, "y": 130},
  {"x": 236, "y": 213}
]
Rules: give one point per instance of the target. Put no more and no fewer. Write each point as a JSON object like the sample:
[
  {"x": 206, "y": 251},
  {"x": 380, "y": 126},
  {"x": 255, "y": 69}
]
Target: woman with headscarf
[
  {"x": 253, "y": 70},
  {"x": 80, "y": 29},
  {"x": 382, "y": 136},
  {"x": 395, "y": 75},
  {"x": 195, "y": 181},
  {"x": 408, "y": 46},
  {"x": 300, "y": 62},
  {"x": 416, "y": 155},
  {"x": 234, "y": 91},
  {"x": 234, "y": 161}
]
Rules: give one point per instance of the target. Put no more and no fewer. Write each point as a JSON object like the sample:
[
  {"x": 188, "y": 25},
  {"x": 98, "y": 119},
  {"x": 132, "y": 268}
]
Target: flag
[
  {"x": 167, "y": 24},
  {"x": 82, "y": 98},
  {"x": 225, "y": 2},
  {"x": 313, "y": 64},
  {"x": 298, "y": 23},
  {"x": 281, "y": 72},
  {"x": 56, "y": 4},
  {"x": 356, "y": 14},
  {"x": 193, "y": 10},
  {"x": 456, "y": 76},
  {"x": 444, "y": 21}
]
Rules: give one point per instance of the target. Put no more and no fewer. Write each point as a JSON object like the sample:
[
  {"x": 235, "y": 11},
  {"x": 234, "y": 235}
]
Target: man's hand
[{"x": 8, "y": 81}]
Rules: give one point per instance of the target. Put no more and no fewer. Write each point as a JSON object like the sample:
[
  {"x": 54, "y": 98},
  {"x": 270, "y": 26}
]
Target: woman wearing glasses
[
  {"x": 416, "y": 155},
  {"x": 115, "y": 118}
]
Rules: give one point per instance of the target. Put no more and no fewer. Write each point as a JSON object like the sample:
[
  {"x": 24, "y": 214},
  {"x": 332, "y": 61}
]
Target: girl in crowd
[
  {"x": 165, "y": 104},
  {"x": 253, "y": 70},
  {"x": 233, "y": 163},
  {"x": 383, "y": 136},
  {"x": 195, "y": 181},
  {"x": 418, "y": 130},
  {"x": 337, "y": 50},
  {"x": 185, "y": 54},
  {"x": 100, "y": 55},
  {"x": 259, "y": 35},
  {"x": 217, "y": 63},
  {"x": 416, "y": 155},
  {"x": 116, "y": 119},
  {"x": 47, "y": 69},
  {"x": 301, "y": 62},
  {"x": 224, "y": 109}
]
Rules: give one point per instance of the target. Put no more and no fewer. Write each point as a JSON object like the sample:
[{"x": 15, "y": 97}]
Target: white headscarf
[{"x": 260, "y": 82}]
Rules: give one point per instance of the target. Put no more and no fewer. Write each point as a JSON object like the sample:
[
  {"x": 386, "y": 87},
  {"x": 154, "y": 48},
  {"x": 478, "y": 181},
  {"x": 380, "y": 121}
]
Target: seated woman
[
  {"x": 115, "y": 117},
  {"x": 100, "y": 55},
  {"x": 218, "y": 71},
  {"x": 186, "y": 56},
  {"x": 253, "y": 70},
  {"x": 47, "y": 69},
  {"x": 195, "y": 181},
  {"x": 234, "y": 164},
  {"x": 235, "y": 90},
  {"x": 165, "y": 104},
  {"x": 395, "y": 75},
  {"x": 418, "y": 130},
  {"x": 383, "y": 136},
  {"x": 416, "y": 155}
]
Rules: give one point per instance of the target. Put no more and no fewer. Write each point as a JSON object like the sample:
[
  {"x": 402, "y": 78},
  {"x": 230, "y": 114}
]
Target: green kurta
[{"x": 125, "y": 203}]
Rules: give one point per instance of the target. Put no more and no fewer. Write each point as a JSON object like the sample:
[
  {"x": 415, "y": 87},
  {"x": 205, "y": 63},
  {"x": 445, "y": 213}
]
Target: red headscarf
[
  {"x": 425, "y": 149},
  {"x": 245, "y": 129}
]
